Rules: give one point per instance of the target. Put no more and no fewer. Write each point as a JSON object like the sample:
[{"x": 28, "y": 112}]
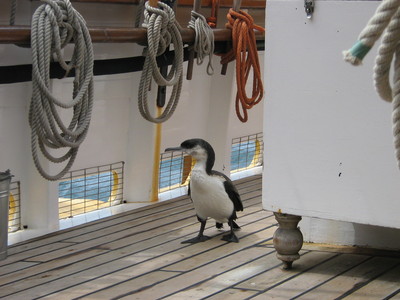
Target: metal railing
[
  {"x": 14, "y": 211},
  {"x": 246, "y": 153},
  {"x": 174, "y": 170},
  {"x": 90, "y": 189}
]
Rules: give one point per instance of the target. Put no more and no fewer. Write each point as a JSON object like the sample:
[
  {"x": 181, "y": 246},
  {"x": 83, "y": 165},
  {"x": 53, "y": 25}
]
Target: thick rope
[
  {"x": 204, "y": 40},
  {"x": 54, "y": 25},
  {"x": 386, "y": 20},
  {"x": 162, "y": 29},
  {"x": 244, "y": 49}
]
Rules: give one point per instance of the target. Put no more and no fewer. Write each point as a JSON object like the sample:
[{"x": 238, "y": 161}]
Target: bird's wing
[{"x": 231, "y": 190}]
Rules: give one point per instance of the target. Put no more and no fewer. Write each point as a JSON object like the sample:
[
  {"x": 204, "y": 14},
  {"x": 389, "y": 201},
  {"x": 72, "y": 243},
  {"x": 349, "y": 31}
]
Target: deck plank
[
  {"x": 123, "y": 247},
  {"x": 139, "y": 255},
  {"x": 233, "y": 294},
  {"x": 351, "y": 279},
  {"x": 104, "y": 264},
  {"x": 379, "y": 288},
  {"x": 332, "y": 267},
  {"x": 151, "y": 264},
  {"x": 190, "y": 279},
  {"x": 276, "y": 275},
  {"x": 314, "y": 276},
  {"x": 27, "y": 255},
  {"x": 227, "y": 280}
]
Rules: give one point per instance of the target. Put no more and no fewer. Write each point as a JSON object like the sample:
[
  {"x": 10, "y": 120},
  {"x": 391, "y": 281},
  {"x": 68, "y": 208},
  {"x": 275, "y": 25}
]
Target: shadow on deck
[{"x": 138, "y": 255}]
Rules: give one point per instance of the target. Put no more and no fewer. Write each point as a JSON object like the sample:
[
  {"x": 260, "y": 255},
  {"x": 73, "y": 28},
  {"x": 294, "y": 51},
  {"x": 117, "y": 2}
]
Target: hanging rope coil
[
  {"x": 386, "y": 21},
  {"x": 162, "y": 30},
  {"x": 54, "y": 25},
  {"x": 204, "y": 40},
  {"x": 244, "y": 50}
]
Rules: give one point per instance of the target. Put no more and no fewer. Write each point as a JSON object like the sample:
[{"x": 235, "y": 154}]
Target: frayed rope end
[
  {"x": 349, "y": 57},
  {"x": 356, "y": 54}
]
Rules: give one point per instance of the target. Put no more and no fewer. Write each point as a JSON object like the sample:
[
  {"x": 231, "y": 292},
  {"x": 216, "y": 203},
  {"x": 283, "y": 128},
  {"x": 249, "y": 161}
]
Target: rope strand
[
  {"x": 204, "y": 40},
  {"x": 244, "y": 49},
  {"x": 162, "y": 29},
  {"x": 54, "y": 25}
]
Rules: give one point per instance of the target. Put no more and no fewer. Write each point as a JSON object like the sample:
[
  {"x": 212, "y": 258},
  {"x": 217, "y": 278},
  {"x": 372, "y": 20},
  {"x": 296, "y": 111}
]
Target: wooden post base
[{"x": 287, "y": 239}]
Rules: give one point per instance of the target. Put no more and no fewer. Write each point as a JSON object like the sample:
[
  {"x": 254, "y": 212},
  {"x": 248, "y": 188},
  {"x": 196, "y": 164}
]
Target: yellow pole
[
  {"x": 157, "y": 145},
  {"x": 156, "y": 158}
]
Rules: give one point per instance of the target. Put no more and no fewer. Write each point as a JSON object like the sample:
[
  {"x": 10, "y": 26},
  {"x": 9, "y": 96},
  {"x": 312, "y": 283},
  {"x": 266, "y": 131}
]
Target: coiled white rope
[
  {"x": 162, "y": 29},
  {"x": 204, "y": 40},
  {"x": 54, "y": 25},
  {"x": 386, "y": 20}
]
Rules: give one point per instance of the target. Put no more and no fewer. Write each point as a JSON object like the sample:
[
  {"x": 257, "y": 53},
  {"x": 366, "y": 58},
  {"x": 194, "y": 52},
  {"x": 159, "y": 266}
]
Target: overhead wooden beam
[
  {"x": 21, "y": 35},
  {"x": 204, "y": 3}
]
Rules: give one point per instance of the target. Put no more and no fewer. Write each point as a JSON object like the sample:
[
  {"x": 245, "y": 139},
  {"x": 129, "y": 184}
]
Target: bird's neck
[
  {"x": 200, "y": 166},
  {"x": 199, "y": 176}
]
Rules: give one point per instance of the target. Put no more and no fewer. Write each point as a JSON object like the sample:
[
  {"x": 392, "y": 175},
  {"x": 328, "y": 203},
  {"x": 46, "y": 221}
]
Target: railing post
[{"x": 5, "y": 180}]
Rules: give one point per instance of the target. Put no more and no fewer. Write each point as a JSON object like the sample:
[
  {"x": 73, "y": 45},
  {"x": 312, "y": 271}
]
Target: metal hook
[
  {"x": 236, "y": 5},
  {"x": 309, "y": 8}
]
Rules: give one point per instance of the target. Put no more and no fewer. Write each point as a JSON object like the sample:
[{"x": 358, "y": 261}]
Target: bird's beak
[{"x": 174, "y": 149}]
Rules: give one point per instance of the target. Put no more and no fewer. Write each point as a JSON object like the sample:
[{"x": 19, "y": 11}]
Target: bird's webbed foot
[
  {"x": 197, "y": 239},
  {"x": 231, "y": 237},
  {"x": 200, "y": 237}
]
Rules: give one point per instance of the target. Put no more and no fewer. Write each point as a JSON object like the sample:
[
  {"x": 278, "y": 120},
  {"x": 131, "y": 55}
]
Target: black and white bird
[{"x": 213, "y": 193}]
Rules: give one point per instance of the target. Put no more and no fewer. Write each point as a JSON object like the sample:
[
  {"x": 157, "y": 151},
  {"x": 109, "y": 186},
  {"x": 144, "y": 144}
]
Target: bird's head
[{"x": 199, "y": 149}]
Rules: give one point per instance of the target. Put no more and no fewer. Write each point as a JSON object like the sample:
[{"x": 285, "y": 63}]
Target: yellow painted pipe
[
  {"x": 156, "y": 158},
  {"x": 157, "y": 145}
]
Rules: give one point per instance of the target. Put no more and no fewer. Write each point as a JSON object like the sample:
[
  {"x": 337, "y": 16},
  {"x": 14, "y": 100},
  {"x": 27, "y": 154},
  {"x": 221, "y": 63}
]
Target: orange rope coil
[{"x": 245, "y": 51}]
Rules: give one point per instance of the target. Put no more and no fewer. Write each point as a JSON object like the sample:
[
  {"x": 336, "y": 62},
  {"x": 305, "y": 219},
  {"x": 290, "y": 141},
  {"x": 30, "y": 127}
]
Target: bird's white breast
[{"x": 209, "y": 196}]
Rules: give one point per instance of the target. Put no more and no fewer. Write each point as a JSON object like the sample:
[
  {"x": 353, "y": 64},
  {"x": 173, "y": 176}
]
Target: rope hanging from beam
[
  {"x": 244, "y": 50},
  {"x": 162, "y": 30},
  {"x": 54, "y": 25},
  {"x": 204, "y": 40}
]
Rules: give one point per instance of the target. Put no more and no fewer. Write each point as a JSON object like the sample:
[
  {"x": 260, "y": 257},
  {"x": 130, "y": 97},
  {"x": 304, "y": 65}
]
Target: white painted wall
[
  {"x": 117, "y": 131},
  {"x": 328, "y": 138}
]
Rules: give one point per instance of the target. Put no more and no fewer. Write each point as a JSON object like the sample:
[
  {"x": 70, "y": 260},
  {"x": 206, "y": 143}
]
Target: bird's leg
[
  {"x": 200, "y": 237},
  {"x": 231, "y": 237}
]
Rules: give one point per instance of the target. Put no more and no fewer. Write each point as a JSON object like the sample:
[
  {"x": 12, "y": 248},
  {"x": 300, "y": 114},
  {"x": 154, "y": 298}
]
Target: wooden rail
[
  {"x": 21, "y": 35},
  {"x": 204, "y": 3}
]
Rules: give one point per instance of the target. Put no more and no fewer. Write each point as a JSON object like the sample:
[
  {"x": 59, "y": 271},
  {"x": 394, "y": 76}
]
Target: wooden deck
[{"x": 138, "y": 255}]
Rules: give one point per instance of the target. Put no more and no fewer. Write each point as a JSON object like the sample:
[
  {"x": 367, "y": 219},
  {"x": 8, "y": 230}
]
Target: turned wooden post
[{"x": 287, "y": 239}]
